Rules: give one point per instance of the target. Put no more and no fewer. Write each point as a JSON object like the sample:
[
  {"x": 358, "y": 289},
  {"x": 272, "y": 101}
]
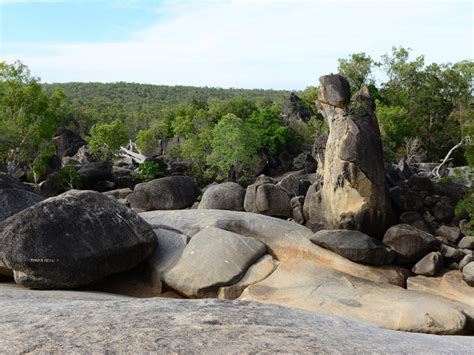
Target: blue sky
[{"x": 237, "y": 43}]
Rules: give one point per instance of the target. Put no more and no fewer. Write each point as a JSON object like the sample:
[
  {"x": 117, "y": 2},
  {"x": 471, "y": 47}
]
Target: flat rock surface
[{"x": 79, "y": 322}]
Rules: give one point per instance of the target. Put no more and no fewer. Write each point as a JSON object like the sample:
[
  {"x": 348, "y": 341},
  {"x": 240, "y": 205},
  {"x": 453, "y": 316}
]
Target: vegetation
[
  {"x": 148, "y": 171},
  {"x": 106, "y": 139}
]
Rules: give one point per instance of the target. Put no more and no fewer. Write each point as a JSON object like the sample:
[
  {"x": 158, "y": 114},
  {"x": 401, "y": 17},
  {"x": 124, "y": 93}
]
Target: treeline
[{"x": 423, "y": 110}]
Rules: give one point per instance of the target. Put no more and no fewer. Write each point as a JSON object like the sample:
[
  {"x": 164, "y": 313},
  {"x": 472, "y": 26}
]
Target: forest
[{"x": 423, "y": 110}]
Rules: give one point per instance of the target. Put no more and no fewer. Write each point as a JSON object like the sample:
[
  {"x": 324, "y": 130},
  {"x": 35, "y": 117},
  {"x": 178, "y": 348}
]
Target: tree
[
  {"x": 146, "y": 142},
  {"x": 266, "y": 125},
  {"x": 28, "y": 116},
  {"x": 357, "y": 69},
  {"x": 234, "y": 148},
  {"x": 105, "y": 139}
]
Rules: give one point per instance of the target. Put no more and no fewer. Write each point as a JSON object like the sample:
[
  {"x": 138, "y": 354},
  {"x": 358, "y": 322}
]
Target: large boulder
[
  {"x": 68, "y": 142},
  {"x": 212, "y": 258},
  {"x": 9, "y": 182},
  {"x": 73, "y": 240},
  {"x": 96, "y": 172},
  {"x": 284, "y": 239},
  {"x": 13, "y": 201},
  {"x": 354, "y": 195},
  {"x": 168, "y": 193},
  {"x": 307, "y": 285},
  {"x": 410, "y": 243},
  {"x": 266, "y": 197},
  {"x": 355, "y": 246},
  {"x": 225, "y": 196}
]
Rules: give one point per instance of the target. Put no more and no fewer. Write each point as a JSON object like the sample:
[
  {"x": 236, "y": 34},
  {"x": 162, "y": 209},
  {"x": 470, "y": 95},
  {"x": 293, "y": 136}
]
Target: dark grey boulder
[
  {"x": 405, "y": 199},
  {"x": 265, "y": 197},
  {"x": 468, "y": 273},
  {"x": 226, "y": 196},
  {"x": 443, "y": 211},
  {"x": 68, "y": 142},
  {"x": 9, "y": 182},
  {"x": 168, "y": 193},
  {"x": 15, "y": 200},
  {"x": 213, "y": 258},
  {"x": 294, "y": 110},
  {"x": 73, "y": 240},
  {"x": 416, "y": 220},
  {"x": 355, "y": 246},
  {"x": 420, "y": 183},
  {"x": 334, "y": 90},
  {"x": 429, "y": 265},
  {"x": 410, "y": 243},
  {"x": 96, "y": 172},
  {"x": 467, "y": 243}
]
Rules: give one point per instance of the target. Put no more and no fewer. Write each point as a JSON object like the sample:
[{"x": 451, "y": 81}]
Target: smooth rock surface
[
  {"x": 212, "y": 258},
  {"x": 429, "y": 265},
  {"x": 355, "y": 246},
  {"x": 410, "y": 243},
  {"x": 284, "y": 239},
  {"x": 468, "y": 273},
  {"x": 467, "y": 243},
  {"x": 307, "y": 285},
  {"x": 85, "y": 322},
  {"x": 73, "y": 239},
  {"x": 225, "y": 196}
]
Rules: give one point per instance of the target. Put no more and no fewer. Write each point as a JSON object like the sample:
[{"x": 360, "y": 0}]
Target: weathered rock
[
  {"x": 295, "y": 185},
  {"x": 100, "y": 322},
  {"x": 307, "y": 285},
  {"x": 225, "y": 196},
  {"x": 410, "y": 243},
  {"x": 318, "y": 151},
  {"x": 119, "y": 193},
  {"x": 73, "y": 240},
  {"x": 443, "y": 211},
  {"x": 171, "y": 244},
  {"x": 212, "y": 258},
  {"x": 256, "y": 273},
  {"x": 95, "y": 172},
  {"x": 267, "y": 198},
  {"x": 465, "y": 260},
  {"x": 118, "y": 171},
  {"x": 429, "y": 265},
  {"x": 68, "y": 142},
  {"x": 354, "y": 194},
  {"x": 294, "y": 111},
  {"x": 284, "y": 239},
  {"x": 467, "y": 243},
  {"x": 355, "y": 246},
  {"x": 448, "y": 284},
  {"x": 416, "y": 220},
  {"x": 468, "y": 273},
  {"x": 9, "y": 182},
  {"x": 297, "y": 206},
  {"x": 451, "y": 233},
  {"x": 405, "y": 199},
  {"x": 168, "y": 193},
  {"x": 420, "y": 183},
  {"x": 450, "y": 252},
  {"x": 13, "y": 200}
]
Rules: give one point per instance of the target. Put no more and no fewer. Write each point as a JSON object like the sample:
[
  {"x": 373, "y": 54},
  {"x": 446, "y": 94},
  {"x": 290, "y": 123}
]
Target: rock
[
  {"x": 256, "y": 273},
  {"x": 467, "y": 243},
  {"x": 416, "y": 220},
  {"x": 118, "y": 172},
  {"x": 420, "y": 183},
  {"x": 9, "y": 182},
  {"x": 394, "y": 176},
  {"x": 13, "y": 200},
  {"x": 284, "y": 239},
  {"x": 465, "y": 260},
  {"x": 95, "y": 172},
  {"x": 119, "y": 193},
  {"x": 171, "y": 244},
  {"x": 104, "y": 186},
  {"x": 297, "y": 206},
  {"x": 168, "y": 193},
  {"x": 73, "y": 240},
  {"x": 468, "y": 273},
  {"x": 405, "y": 199},
  {"x": 294, "y": 110},
  {"x": 355, "y": 246},
  {"x": 450, "y": 252},
  {"x": 443, "y": 211},
  {"x": 429, "y": 265},
  {"x": 448, "y": 284},
  {"x": 307, "y": 285},
  {"x": 295, "y": 185},
  {"x": 318, "y": 151},
  {"x": 67, "y": 142},
  {"x": 119, "y": 324},
  {"x": 212, "y": 258},
  {"x": 267, "y": 198},
  {"x": 225, "y": 196},
  {"x": 455, "y": 192},
  {"x": 410, "y": 243},
  {"x": 354, "y": 195}
]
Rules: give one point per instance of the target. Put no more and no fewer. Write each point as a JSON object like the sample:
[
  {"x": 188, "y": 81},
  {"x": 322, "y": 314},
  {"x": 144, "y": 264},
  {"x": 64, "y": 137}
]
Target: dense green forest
[{"x": 423, "y": 111}]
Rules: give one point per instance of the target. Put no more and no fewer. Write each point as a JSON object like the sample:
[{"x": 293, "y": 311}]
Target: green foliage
[
  {"x": 146, "y": 141},
  {"x": 66, "y": 179},
  {"x": 234, "y": 147},
  {"x": 28, "y": 116},
  {"x": 357, "y": 69},
  {"x": 268, "y": 129},
  {"x": 105, "y": 139},
  {"x": 394, "y": 125},
  {"x": 41, "y": 162},
  {"x": 148, "y": 171},
  {"x": 467, "y": 205}
]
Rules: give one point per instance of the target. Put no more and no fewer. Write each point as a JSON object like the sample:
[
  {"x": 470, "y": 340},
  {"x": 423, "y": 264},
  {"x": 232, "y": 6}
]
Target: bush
[
  {"x": 466, "y": 205},
  {"x": 146, "y": 142},
  {"x": 148, "y": 171},
  {"x": 106, "y": 139}
]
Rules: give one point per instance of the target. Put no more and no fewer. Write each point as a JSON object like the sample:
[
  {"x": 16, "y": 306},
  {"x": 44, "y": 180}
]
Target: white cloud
[{"x": 268, "y": 44}]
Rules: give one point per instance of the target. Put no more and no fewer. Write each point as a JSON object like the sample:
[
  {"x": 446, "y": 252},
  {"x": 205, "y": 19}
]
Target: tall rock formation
[{"x": 354, "y": 195}]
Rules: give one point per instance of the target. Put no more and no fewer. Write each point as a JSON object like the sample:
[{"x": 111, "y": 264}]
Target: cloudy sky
[{"x": 236, "y": 43}]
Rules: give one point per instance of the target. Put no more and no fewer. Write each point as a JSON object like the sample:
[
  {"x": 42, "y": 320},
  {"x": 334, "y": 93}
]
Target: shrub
[{"x": 148, "y": 171}]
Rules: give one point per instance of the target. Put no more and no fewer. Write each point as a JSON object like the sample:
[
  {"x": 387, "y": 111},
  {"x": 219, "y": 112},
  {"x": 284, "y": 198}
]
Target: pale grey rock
[
  {"x": 171, "y": 244},
  {"x": 429, "y": 265},
  {"x": 256, "y": 273},
  {"x": 119, "y": 194},
  {"x": 468, "y": 273},
  {"x": 467, "y": 243},
  {"x": 450, "y": 252},
  {"x": 85, "y": 322},
  {"x": 212, "y": 258},
  {"x": 225, "y": 196},
  {"x": 450, "y": 233}
]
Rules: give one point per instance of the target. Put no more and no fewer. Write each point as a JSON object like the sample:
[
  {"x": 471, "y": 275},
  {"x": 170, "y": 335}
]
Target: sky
[{"x": 279, "y": 44}]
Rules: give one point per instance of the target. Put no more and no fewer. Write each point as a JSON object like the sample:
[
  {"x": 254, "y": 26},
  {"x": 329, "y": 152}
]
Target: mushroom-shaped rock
[{"x": 73, "y": 240}]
